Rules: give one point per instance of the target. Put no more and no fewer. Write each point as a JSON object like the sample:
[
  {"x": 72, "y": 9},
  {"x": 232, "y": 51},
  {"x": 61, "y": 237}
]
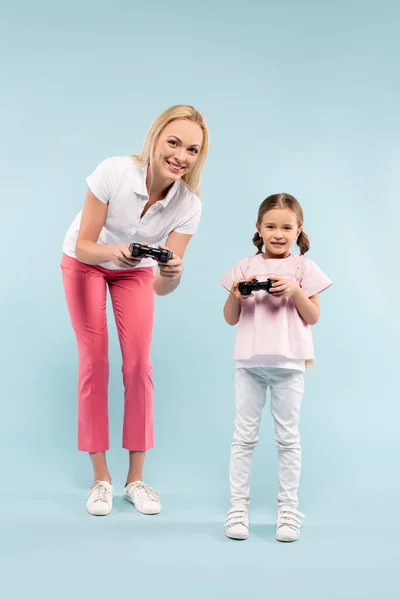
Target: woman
[{"x": 140, "y": 198}]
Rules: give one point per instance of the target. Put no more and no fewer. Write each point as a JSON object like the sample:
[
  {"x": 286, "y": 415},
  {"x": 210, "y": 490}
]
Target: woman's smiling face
[{"x": 177, "y": 150}]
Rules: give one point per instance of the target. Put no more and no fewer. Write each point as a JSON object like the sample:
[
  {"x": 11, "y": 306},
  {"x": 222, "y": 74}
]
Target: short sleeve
[
  {"x": 190, "y": 225},
  {"x": 235, "y": 273},
  {"x": 314, "y": 281},
  {"x": 100, "y": 181}
]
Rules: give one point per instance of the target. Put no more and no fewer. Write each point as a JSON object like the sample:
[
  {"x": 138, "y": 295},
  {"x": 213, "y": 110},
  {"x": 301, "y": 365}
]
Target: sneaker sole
[
  {"x": 237, "y": 537},
  {"x": 285, "y": 540},
  {"x": 153, "y": 512},
  {"x": 98, "y": 514}
]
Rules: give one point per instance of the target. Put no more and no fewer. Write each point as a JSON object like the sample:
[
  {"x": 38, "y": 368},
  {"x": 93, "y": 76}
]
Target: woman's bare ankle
[
  {"x": 100, "y": 468},
  {"x": 134, "y": 477},
  {"x": 102, "y": 477}
]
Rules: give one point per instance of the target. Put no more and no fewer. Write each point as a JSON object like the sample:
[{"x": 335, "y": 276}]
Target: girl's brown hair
[{"x": 282, "y": 201}]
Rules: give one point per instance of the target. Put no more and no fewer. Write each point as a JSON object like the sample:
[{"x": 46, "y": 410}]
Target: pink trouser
[{"x": 132, "y": 298}]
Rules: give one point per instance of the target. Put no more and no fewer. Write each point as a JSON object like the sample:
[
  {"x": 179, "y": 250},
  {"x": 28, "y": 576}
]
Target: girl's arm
[
  {"x": 233, "y": 304},
  {"x": 308, "y": 308},
  {"x": 232, "y": 309}
]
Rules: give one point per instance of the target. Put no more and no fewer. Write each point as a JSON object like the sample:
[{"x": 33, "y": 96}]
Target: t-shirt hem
[{"x": 276, "y": 361}]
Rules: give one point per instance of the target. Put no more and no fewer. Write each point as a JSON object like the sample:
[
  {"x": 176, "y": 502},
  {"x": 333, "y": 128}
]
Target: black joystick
[
  {"x": 246, "y": 287},
  {"x": 160, "y": 254}
]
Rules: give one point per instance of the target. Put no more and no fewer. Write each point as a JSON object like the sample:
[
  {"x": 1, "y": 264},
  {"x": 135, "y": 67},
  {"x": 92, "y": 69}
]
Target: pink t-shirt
[{"x": 272, "y": 327}]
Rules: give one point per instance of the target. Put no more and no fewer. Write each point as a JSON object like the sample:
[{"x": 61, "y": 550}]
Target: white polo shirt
[{"x": 121, "y": 184}]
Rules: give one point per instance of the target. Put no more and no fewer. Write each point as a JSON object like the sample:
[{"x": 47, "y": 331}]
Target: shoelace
[
  {"x": 100, "y": 492},
  {"x": 145, "y": 492},
  {"x": 290, "y": 517},
  {"x": 236, "y": 517}
]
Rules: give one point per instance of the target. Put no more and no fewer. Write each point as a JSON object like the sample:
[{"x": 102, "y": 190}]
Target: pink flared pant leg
[{"x": 132, "y": 298}]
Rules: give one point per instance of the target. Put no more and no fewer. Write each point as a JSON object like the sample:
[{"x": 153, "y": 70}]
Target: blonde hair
[{"x": 179, "y": 111}]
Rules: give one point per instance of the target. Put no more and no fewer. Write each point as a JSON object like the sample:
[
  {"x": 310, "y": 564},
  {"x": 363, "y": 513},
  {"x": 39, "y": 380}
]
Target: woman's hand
[
  {"x": 284, "y": 288},
  {"x": 121, "y": 257},
  {"x": 235, "y": 288},
  {"x": 173, "y": 268}
]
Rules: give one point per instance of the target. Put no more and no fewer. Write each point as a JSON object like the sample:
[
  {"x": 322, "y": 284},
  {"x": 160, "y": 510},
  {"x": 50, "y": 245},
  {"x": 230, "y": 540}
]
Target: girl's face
[
  {"x": 278, "y": 229},
  {"x": 177, "y": 150}
]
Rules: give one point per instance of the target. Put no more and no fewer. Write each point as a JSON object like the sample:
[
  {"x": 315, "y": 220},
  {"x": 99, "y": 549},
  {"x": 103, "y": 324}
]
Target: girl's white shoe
[
  {"x": 237, "y": 524},
  {"x": 288, "y": 526}
]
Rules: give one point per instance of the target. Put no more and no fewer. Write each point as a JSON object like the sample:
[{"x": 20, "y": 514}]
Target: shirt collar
[{"x": 139, "y": 185}]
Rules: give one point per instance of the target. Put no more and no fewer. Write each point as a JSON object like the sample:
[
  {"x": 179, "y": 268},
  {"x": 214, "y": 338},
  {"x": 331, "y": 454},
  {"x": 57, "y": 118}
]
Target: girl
[
  {"x": 143, "y": 198},
  {"x": 273, "y": 347}
]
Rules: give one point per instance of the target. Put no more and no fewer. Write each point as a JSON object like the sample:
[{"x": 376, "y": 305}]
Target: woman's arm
[
  {"x": 87, "y": 250},
  {"x": 168, "y": 276}
]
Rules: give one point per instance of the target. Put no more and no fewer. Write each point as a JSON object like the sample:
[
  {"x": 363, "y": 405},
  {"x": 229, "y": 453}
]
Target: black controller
[
  {"x": 246, "y": 287},
  {"x": 159, "y": 254}
]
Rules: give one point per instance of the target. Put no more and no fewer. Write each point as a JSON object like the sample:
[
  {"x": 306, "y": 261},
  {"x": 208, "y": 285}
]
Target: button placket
[
  {"x": 152, "y": 209},
  {"x": 141, "y": 208}
]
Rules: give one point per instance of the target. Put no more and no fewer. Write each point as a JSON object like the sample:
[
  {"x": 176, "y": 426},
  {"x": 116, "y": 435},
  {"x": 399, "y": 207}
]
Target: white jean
[{"x": 286, "y": 386}]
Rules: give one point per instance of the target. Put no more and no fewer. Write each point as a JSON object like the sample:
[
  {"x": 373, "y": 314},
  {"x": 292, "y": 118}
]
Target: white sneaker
[
  {"x": 100, "y": 498},
  {"x": 143, "y": 498},
  {"x": 237, "y": 524},
  {"x": 288, "y": 526}
]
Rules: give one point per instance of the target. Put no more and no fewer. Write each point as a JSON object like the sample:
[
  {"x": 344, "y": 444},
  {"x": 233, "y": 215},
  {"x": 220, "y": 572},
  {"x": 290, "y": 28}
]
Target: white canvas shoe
[
  {"x": 143, "y": 497},
  {"x": 100, "y": 498}
]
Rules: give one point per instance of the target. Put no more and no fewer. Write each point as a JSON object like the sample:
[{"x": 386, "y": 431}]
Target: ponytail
[
  {"x": 258, "y": 242},
  {"x": 303, "y": 243}
]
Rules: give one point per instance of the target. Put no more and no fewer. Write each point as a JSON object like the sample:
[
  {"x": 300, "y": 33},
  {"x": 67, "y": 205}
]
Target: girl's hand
[
  {"x": 284, "y": 288},
  {"x": 173, "y": 268},
  {"x": 121, "y": 257},
  {"x": 235, "y": 288}
]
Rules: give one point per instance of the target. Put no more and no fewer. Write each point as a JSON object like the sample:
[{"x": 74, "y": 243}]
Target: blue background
[{"x": 301, "y": 98}]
